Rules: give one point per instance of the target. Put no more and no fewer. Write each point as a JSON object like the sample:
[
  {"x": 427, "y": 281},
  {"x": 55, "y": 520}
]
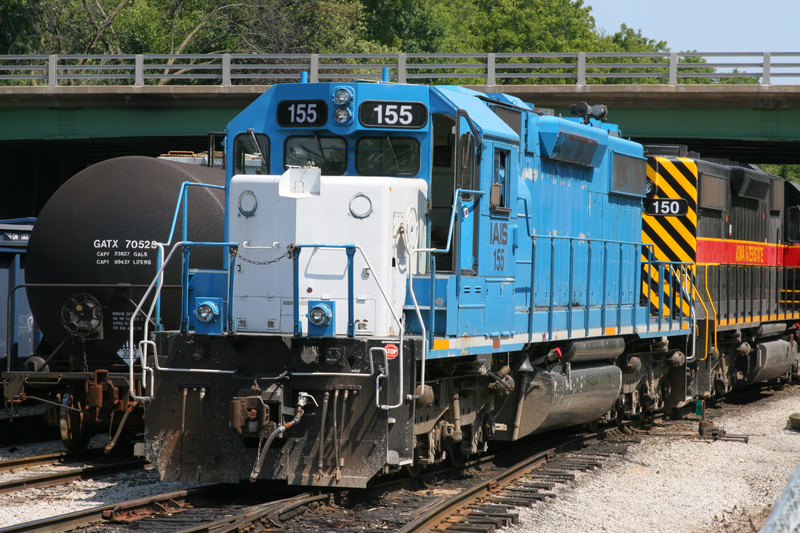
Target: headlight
[
  {"x": 342, "y": 115},
  {"x": 320, "y": 315},
  {"x": 649, "y": 188},
  {"x": 207, "y": 312},
  {"x": 341, "y": 96}
]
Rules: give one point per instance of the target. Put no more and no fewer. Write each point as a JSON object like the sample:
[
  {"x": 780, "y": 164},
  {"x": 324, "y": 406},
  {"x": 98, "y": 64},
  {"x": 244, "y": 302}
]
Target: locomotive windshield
[
  {"x": 387, "y": 156},
  {"x": 326, "y": 153},
  {"x": 251, "y": 157}
]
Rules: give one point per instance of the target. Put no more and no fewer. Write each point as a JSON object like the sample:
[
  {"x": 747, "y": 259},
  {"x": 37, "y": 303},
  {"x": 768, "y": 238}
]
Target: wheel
[
  {"x": 456, "y": 455},
  {"x": 414, "y": 470},
  {"x": 71, "y": 424}
]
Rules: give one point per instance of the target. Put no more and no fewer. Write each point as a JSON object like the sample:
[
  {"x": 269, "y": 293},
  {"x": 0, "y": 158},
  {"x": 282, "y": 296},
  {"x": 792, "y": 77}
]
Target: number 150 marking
[{"x": 666, "y": 207}]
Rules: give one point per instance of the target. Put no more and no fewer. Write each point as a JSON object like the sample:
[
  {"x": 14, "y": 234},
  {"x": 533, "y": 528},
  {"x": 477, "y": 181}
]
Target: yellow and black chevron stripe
[{"x": 673, "y": 238}]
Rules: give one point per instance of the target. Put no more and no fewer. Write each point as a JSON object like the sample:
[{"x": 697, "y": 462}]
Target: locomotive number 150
[{"x": 666, "y": 207}]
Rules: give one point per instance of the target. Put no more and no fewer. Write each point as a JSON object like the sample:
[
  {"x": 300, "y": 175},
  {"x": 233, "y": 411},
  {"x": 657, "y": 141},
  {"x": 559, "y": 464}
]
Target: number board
[
  {"x": 377, "y": 114},
  {"x": 296, "y": 113},
  {"x": 666, "y": 207}
]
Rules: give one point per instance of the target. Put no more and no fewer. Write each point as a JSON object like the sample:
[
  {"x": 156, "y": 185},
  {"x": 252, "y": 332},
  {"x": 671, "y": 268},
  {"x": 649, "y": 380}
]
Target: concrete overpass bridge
[{"x": 60, "y": 113}]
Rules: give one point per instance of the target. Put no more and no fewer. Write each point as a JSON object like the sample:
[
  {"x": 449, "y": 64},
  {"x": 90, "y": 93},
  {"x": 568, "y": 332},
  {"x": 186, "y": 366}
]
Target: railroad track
[
  {"x": 36, "y": 460},
  {"x": 431, "y": 502},
  {"x": 180, "y": 511},
  {"x": 70, "y": 475},
  {"x": 490, "y": 504},
  {"x": 120, "y": 512}
]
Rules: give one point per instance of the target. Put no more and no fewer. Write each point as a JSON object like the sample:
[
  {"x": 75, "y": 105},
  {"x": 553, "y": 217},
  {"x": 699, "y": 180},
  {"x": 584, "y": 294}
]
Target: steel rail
[
  {"x": 439, "y": 512},
  {"x": 75, "y": 474},
  {"x": 271, "y": 511},
  {"x": 35, "y": 460},
  {"x": 103, "y": 513}
]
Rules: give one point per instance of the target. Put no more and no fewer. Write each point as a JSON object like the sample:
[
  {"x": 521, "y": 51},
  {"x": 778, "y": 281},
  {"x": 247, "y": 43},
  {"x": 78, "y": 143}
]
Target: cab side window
[{"x": 498, "y": 200}]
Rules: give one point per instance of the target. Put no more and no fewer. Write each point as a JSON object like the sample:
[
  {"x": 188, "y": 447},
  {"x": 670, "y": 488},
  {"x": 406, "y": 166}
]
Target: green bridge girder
[
  {"x": 98, "y": 123},
  {"x": 82, "y": 123},
  {"x": 49, "y": 133}
]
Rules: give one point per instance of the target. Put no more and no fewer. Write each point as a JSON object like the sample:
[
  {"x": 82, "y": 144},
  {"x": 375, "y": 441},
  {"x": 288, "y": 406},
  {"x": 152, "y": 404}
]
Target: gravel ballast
[
  {"x": 669, "y": 484},
  {"x": 664, "y": 484},
  {"x": 35, "y": 504}
]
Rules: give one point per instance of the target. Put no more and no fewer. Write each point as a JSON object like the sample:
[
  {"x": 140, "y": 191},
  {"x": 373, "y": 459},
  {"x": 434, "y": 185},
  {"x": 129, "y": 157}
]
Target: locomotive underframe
[{"x": 218, "y": 399}]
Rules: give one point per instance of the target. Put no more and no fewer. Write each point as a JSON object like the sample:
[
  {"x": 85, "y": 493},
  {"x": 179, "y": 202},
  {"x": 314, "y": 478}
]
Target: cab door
[
  {"x": 470, "y": 288},
  {"x": 468, "y": 203}
]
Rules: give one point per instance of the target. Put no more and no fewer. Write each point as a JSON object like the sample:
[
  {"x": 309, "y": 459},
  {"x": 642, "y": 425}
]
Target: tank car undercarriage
[{"x": 79, "y": 402}]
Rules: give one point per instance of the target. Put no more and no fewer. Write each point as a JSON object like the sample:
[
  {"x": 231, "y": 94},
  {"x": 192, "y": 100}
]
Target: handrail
[
  {"x": 670, "y": 68},
  {"x": 350, "y": 249},
  {"x": 622, "y": 247},
  {"x": 711, "y": 301},
  {"x": 157, "y": 284}
]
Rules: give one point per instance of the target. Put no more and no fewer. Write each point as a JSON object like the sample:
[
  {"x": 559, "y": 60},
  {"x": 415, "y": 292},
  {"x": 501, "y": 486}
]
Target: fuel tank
[
  {"x": 555, "y": 398},
  {"x": 772, "y": 360}
]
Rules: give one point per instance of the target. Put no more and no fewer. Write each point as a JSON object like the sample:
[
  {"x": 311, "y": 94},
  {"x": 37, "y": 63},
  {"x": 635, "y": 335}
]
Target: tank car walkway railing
[{"x": 578, "y": 68}]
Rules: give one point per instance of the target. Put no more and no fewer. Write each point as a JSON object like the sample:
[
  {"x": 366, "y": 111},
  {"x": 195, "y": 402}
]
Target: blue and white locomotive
[{"x": 409, "y": 273}]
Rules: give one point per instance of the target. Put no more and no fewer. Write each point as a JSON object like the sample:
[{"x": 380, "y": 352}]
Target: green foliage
[
  {"x": 18, "y": 23},
  {"x": 787, "y": 172},
  {"x": 404, "y": 25},
  {"x": 350, "y": 27}
]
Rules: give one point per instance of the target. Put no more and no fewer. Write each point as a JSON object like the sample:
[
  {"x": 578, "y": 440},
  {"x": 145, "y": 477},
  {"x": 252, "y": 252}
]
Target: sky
[{"x": 706, "y": 25}]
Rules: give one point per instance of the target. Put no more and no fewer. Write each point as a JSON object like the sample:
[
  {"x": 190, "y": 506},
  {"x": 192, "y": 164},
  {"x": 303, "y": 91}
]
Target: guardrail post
[
  {"x": 401, "y": 68},
  {"x": 138, "y": 70},
  {"x": 314, "y": 74},
  {"x": 52, "y": 70},
  {"x": 581, "y": 68},
  {"x": 226, "y": 70},
  {"x": 673, "y": 68},
  {"x": 765, "y": 75},
  {"x": 490, "y": 72}
]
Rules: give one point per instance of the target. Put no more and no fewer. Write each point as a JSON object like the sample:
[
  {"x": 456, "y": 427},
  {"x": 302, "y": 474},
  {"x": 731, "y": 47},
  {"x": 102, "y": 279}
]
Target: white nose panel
[{"x": 321, "y": 215}]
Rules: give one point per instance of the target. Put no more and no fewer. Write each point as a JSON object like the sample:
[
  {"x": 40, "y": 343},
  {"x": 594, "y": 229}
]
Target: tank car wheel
[
  {"x": 456, "y": 454},
  {"x": 414, "y": 470},
  {"x": 71, "y": 424}
]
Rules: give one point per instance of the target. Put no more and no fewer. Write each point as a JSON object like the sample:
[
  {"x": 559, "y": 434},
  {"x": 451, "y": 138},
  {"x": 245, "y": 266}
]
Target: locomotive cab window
[
  {"x": 498, "y": 200},
  {"x": 251, "y": 153},
  {"x": 326, "y": 153},
  {"x": 387, "y": 156}
]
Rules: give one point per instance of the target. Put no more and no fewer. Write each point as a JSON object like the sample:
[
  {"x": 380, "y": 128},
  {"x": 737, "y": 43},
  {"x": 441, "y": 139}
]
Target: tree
[{"x": 404, "y": 25}]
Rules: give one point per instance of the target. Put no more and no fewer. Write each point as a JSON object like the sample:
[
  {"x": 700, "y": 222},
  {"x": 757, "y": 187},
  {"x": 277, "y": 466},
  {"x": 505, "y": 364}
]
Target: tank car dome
[{"x": 92, "y": 248}]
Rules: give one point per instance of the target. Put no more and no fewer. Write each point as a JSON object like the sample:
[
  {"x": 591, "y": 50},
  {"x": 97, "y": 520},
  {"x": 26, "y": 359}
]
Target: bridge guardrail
[{"x": 578, "y": 68}]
